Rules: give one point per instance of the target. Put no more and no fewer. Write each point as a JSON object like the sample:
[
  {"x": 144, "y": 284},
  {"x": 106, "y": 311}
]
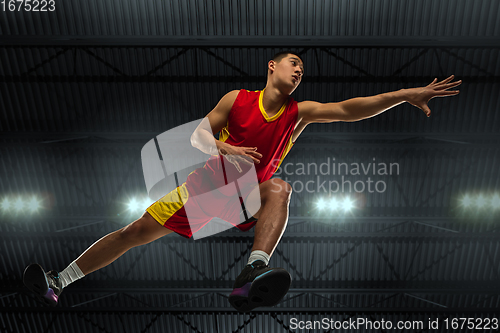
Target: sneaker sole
[
  {"x": 34, "y": 279},
  {"x": 267, "y": 290}
]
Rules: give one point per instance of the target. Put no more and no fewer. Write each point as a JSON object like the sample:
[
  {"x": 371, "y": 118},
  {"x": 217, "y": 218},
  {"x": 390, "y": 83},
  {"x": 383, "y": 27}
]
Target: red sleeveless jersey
[
  {"x": 189, "y": 207},
  {"x": 249, "y": 125}
]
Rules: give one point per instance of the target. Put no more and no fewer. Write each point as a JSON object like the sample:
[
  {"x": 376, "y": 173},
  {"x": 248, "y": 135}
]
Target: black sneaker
[
  {"x": 259, "y": 285},
  {"x": 47, "y": 286}
]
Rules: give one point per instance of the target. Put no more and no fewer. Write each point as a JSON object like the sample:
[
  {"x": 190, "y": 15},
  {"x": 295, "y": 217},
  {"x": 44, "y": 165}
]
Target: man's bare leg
[
  {"x": 259, "y": 285},
  {"x": 272, "y": 216},
  {"x": 109, "y": 248},
  {"x": 48, "y": 285}
]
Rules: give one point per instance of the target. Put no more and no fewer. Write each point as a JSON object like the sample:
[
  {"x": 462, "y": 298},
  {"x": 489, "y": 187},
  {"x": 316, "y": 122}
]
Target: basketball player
[{"x": 256, "y": 127}]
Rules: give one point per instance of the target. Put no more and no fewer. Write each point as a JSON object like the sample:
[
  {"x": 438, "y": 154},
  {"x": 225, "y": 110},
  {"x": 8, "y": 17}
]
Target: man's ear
[{"x": 271, "y": 65}]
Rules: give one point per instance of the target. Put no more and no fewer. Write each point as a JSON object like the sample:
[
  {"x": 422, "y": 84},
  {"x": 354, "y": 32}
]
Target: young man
[{"x": 260, "y": 127}]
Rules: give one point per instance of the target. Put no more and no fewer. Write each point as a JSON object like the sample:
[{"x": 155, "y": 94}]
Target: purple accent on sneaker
[
  {"x": 51, "y": 295},
  {"x": 243, "y": 291}
]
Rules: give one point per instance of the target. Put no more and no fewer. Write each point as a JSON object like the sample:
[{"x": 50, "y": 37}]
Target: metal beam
[
  {"x": 255, "y": 41},
  {"x": 262, "y": 310},
  {"x": 113, "y": 79}
]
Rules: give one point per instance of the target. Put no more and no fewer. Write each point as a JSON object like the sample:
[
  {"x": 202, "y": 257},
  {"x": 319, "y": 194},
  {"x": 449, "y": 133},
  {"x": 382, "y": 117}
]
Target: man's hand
[
  {"x": 419, "y": 97},
  {"x": 236, "y": 155}
]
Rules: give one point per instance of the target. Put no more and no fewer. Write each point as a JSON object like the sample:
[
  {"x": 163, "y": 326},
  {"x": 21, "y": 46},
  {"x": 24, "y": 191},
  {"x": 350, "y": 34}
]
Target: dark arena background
[{"x": 85, "y": 84}]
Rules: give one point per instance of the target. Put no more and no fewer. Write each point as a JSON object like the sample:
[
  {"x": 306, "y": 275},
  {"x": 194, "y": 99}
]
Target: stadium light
[
  {"x": 334, "y": 204},
  {"x": 321, "y": 204},
  {"x": 34, "y": 204},
  {"x": 347, "y": 204},
  {"x": 133, "y": 205},
  {"x": 19, "y": 204},
  {"x": 482, "y": 201},
  {"x": 467, "y": 201},
  {"x": 5, "y": 204},
  {"x": 138, "y": 204}
]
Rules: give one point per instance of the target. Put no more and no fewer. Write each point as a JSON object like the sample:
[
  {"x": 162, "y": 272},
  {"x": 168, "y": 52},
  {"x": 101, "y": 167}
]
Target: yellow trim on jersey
[
  {"x": 169, "y": 204},
  {"x": 224, "y": 133},
  {"x": 285, "y": 152},
  {"x": 264, "y": 113}
]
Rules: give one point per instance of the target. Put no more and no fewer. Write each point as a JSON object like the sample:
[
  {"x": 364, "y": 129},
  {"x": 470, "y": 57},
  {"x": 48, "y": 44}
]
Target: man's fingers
[
  {"x": 253, "y": 160},
  {"x": 449, "y": 85},
  {"x": 426, "y": 110},
  {"x": 254, "y": 153},
  {"x": 448, "y": 79},
  {"x": 447, "y": 93},
  {"x": 445, "y": 81},
  {"x": 433, "y": 81},
  {"x": 251, "y": 150}
]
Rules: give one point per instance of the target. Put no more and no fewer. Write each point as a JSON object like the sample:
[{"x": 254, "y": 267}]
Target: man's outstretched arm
[{"x": 365, "y": 107}]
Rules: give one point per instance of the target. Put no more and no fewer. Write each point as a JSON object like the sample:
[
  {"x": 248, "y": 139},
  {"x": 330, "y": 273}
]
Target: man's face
[{"x": 289, "y": 71}]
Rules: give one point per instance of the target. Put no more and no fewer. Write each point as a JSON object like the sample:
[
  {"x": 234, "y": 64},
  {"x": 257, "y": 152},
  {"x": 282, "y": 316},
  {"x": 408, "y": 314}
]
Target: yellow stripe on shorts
[{"x": 169, "y": 204}]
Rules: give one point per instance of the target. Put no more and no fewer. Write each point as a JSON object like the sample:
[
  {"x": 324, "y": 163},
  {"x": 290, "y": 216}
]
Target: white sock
[
  {"x": 259, "y": 255},
  {"x": 71, "y": 274}
]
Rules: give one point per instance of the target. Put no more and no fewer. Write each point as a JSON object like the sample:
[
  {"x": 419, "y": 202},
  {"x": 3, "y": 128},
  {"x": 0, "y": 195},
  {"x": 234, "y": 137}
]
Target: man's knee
[
  {"x": 277, "y": 189},
  {"x": 136, "y": 232}
]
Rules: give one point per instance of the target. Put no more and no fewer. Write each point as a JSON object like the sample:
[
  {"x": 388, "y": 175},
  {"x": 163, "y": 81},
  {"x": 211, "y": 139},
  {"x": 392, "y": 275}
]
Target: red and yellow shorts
[{"x": 186, "y": 214}]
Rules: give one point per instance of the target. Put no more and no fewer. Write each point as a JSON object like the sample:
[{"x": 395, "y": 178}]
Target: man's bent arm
[{"x": 203, "y": 137}]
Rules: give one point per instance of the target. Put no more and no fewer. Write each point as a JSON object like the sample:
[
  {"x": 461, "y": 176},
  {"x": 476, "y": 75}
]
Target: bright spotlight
[
  {"x": 18, "y": 205},
  {"x": 347, "y": 204},
  {"x": 495, "y": 201},
  {"x": 467, "y": 201},
  {"x": 481, "y": 201},
  {"x": 5, "y": 204},
  {"x": 34, "y": 205},
  {"x": 133, "y": 205},
  {"x": 321, "y": 204},
  {"x": 334, "y": 204}
]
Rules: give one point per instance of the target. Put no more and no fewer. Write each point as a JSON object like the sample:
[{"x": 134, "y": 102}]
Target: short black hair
[{"x": 280, "y": 55}]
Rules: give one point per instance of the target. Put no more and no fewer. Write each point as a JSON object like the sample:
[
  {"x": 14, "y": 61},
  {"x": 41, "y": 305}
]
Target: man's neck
[{"x": 273, "y": 100}]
